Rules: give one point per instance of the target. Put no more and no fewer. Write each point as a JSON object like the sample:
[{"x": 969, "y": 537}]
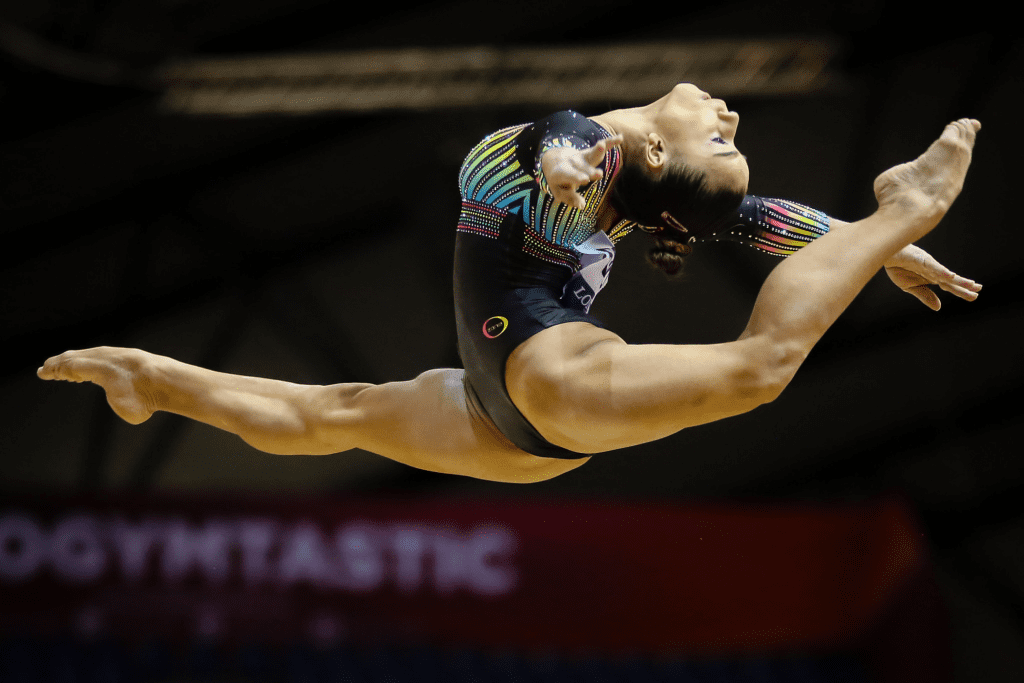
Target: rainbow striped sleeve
[{"x": 775, "y": 226}]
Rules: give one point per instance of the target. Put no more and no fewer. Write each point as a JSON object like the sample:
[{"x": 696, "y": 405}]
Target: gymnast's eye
[{"x": 718, "y": 140}]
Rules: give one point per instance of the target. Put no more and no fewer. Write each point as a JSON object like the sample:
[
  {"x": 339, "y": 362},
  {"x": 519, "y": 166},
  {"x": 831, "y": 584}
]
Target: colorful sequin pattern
[
  {"x": 775, "y": 226},
  {"x": 493, "y": 184}
]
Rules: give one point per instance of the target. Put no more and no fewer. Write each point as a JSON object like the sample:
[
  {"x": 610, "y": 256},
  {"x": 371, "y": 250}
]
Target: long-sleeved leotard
[
  {"x": 525, "y": 262},
  {"x": 775, "y": 226}
]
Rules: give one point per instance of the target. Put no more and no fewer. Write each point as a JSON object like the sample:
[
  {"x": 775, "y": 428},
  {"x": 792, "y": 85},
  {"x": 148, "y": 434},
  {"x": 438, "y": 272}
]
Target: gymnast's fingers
[
  {"x": 566, "y": 194},
  {"x": 577, "y": 175},
  {"x": 965, "y": 293},
  {"x": 949, "y": 281},
  {"x": 595, "y": 155},
  {"x": 938, "y": 274},
  {"x": 926, "y": 296}
]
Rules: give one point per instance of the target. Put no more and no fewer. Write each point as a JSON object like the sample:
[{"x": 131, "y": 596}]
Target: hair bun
[{"x": 667, "y": 255}]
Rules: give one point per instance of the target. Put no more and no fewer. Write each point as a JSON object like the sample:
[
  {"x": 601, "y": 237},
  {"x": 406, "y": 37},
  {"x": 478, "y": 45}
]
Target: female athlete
[{"x": 545, "y": 385}]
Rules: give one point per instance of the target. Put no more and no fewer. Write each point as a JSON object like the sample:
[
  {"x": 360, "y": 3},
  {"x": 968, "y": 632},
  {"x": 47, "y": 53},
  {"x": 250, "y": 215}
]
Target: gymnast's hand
[
  {"x": 567, "y": 169},
  {"x": 913, "y": 270}
]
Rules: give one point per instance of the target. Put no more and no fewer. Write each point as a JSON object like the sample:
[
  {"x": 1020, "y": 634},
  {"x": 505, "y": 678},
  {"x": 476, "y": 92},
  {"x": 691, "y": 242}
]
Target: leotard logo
[{"x": 495, "y": 326}]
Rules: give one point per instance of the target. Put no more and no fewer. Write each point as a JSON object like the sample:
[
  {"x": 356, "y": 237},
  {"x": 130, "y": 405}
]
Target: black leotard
[{"x": 524, "y": 263}]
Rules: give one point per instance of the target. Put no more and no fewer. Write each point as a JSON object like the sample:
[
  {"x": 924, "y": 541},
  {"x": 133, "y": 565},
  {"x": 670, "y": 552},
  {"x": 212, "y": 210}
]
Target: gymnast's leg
[
  {"x": 426, "y": 423},
  {"x": 585, "y": 389}
]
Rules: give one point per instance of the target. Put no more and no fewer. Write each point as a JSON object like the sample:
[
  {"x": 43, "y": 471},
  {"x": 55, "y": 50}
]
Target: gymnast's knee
[
  {"x": 329, "y": 419},
  {"x": 772, "y": 366}
]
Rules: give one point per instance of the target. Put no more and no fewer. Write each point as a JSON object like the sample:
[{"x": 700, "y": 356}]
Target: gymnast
[{"x": 545, "y": 385}]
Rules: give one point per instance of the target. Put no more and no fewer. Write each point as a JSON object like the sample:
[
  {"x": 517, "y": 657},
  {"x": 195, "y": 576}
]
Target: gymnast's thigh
[
  {"x": 586, "y": 390},
  {"x": 432, "y": 423},
  {"x": 542, "y": 371}
]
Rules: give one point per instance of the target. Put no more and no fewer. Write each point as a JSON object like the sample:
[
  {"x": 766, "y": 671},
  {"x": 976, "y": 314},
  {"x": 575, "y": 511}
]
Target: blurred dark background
[{"x": 314, "y": 245}]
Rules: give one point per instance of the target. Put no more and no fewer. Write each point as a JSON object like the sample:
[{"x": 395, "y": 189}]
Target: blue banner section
[{"x": 25, "y": 660}]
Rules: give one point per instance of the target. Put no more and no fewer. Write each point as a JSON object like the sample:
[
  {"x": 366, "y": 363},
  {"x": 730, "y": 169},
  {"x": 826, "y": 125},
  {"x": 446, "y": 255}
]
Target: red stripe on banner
[{"x": 701, "y": 578}]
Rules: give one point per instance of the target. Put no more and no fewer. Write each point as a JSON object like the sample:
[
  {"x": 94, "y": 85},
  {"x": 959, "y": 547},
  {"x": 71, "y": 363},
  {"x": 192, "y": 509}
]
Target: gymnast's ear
[{"x": 655, "y": 152}]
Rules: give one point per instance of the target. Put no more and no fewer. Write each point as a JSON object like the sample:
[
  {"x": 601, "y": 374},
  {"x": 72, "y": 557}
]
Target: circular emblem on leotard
[{"x": 495, "y": 326}]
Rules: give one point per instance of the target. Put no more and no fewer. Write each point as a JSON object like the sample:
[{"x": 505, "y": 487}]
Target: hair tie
[{"x": 668, "y": 218}]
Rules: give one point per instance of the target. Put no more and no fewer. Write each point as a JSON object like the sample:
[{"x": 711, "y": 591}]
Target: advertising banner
[{"x": 699, "y": 578}]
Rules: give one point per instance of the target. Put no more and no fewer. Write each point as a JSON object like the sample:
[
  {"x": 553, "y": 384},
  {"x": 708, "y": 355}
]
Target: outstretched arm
[
  {"x": 775, "y": 226},
  {"x": 782, "y": 227},
  {"x": 916, "y": 272}
]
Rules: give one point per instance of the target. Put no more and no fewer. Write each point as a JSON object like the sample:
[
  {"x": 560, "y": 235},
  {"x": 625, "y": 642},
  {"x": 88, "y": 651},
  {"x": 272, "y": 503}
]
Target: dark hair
[
  {"x": 667, "y": 255},
  {"x": 694, "y": 211}
]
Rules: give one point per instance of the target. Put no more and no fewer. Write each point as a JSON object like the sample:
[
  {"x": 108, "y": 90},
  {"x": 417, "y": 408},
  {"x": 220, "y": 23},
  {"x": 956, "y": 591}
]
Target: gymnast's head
[{"x": 682, "y": 173}]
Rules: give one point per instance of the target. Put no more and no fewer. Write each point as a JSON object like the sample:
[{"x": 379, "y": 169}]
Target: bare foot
[
  {"x": 925, "y": 188},
  {"x": 118, "y": 371}
]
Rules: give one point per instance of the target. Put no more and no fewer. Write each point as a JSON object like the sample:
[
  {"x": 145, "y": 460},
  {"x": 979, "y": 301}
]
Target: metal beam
[{"x": 423, "y": 79}]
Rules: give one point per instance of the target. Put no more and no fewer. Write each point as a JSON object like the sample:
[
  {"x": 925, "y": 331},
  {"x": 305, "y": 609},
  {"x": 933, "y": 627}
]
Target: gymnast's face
[{"x": 701, "y": 131}]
